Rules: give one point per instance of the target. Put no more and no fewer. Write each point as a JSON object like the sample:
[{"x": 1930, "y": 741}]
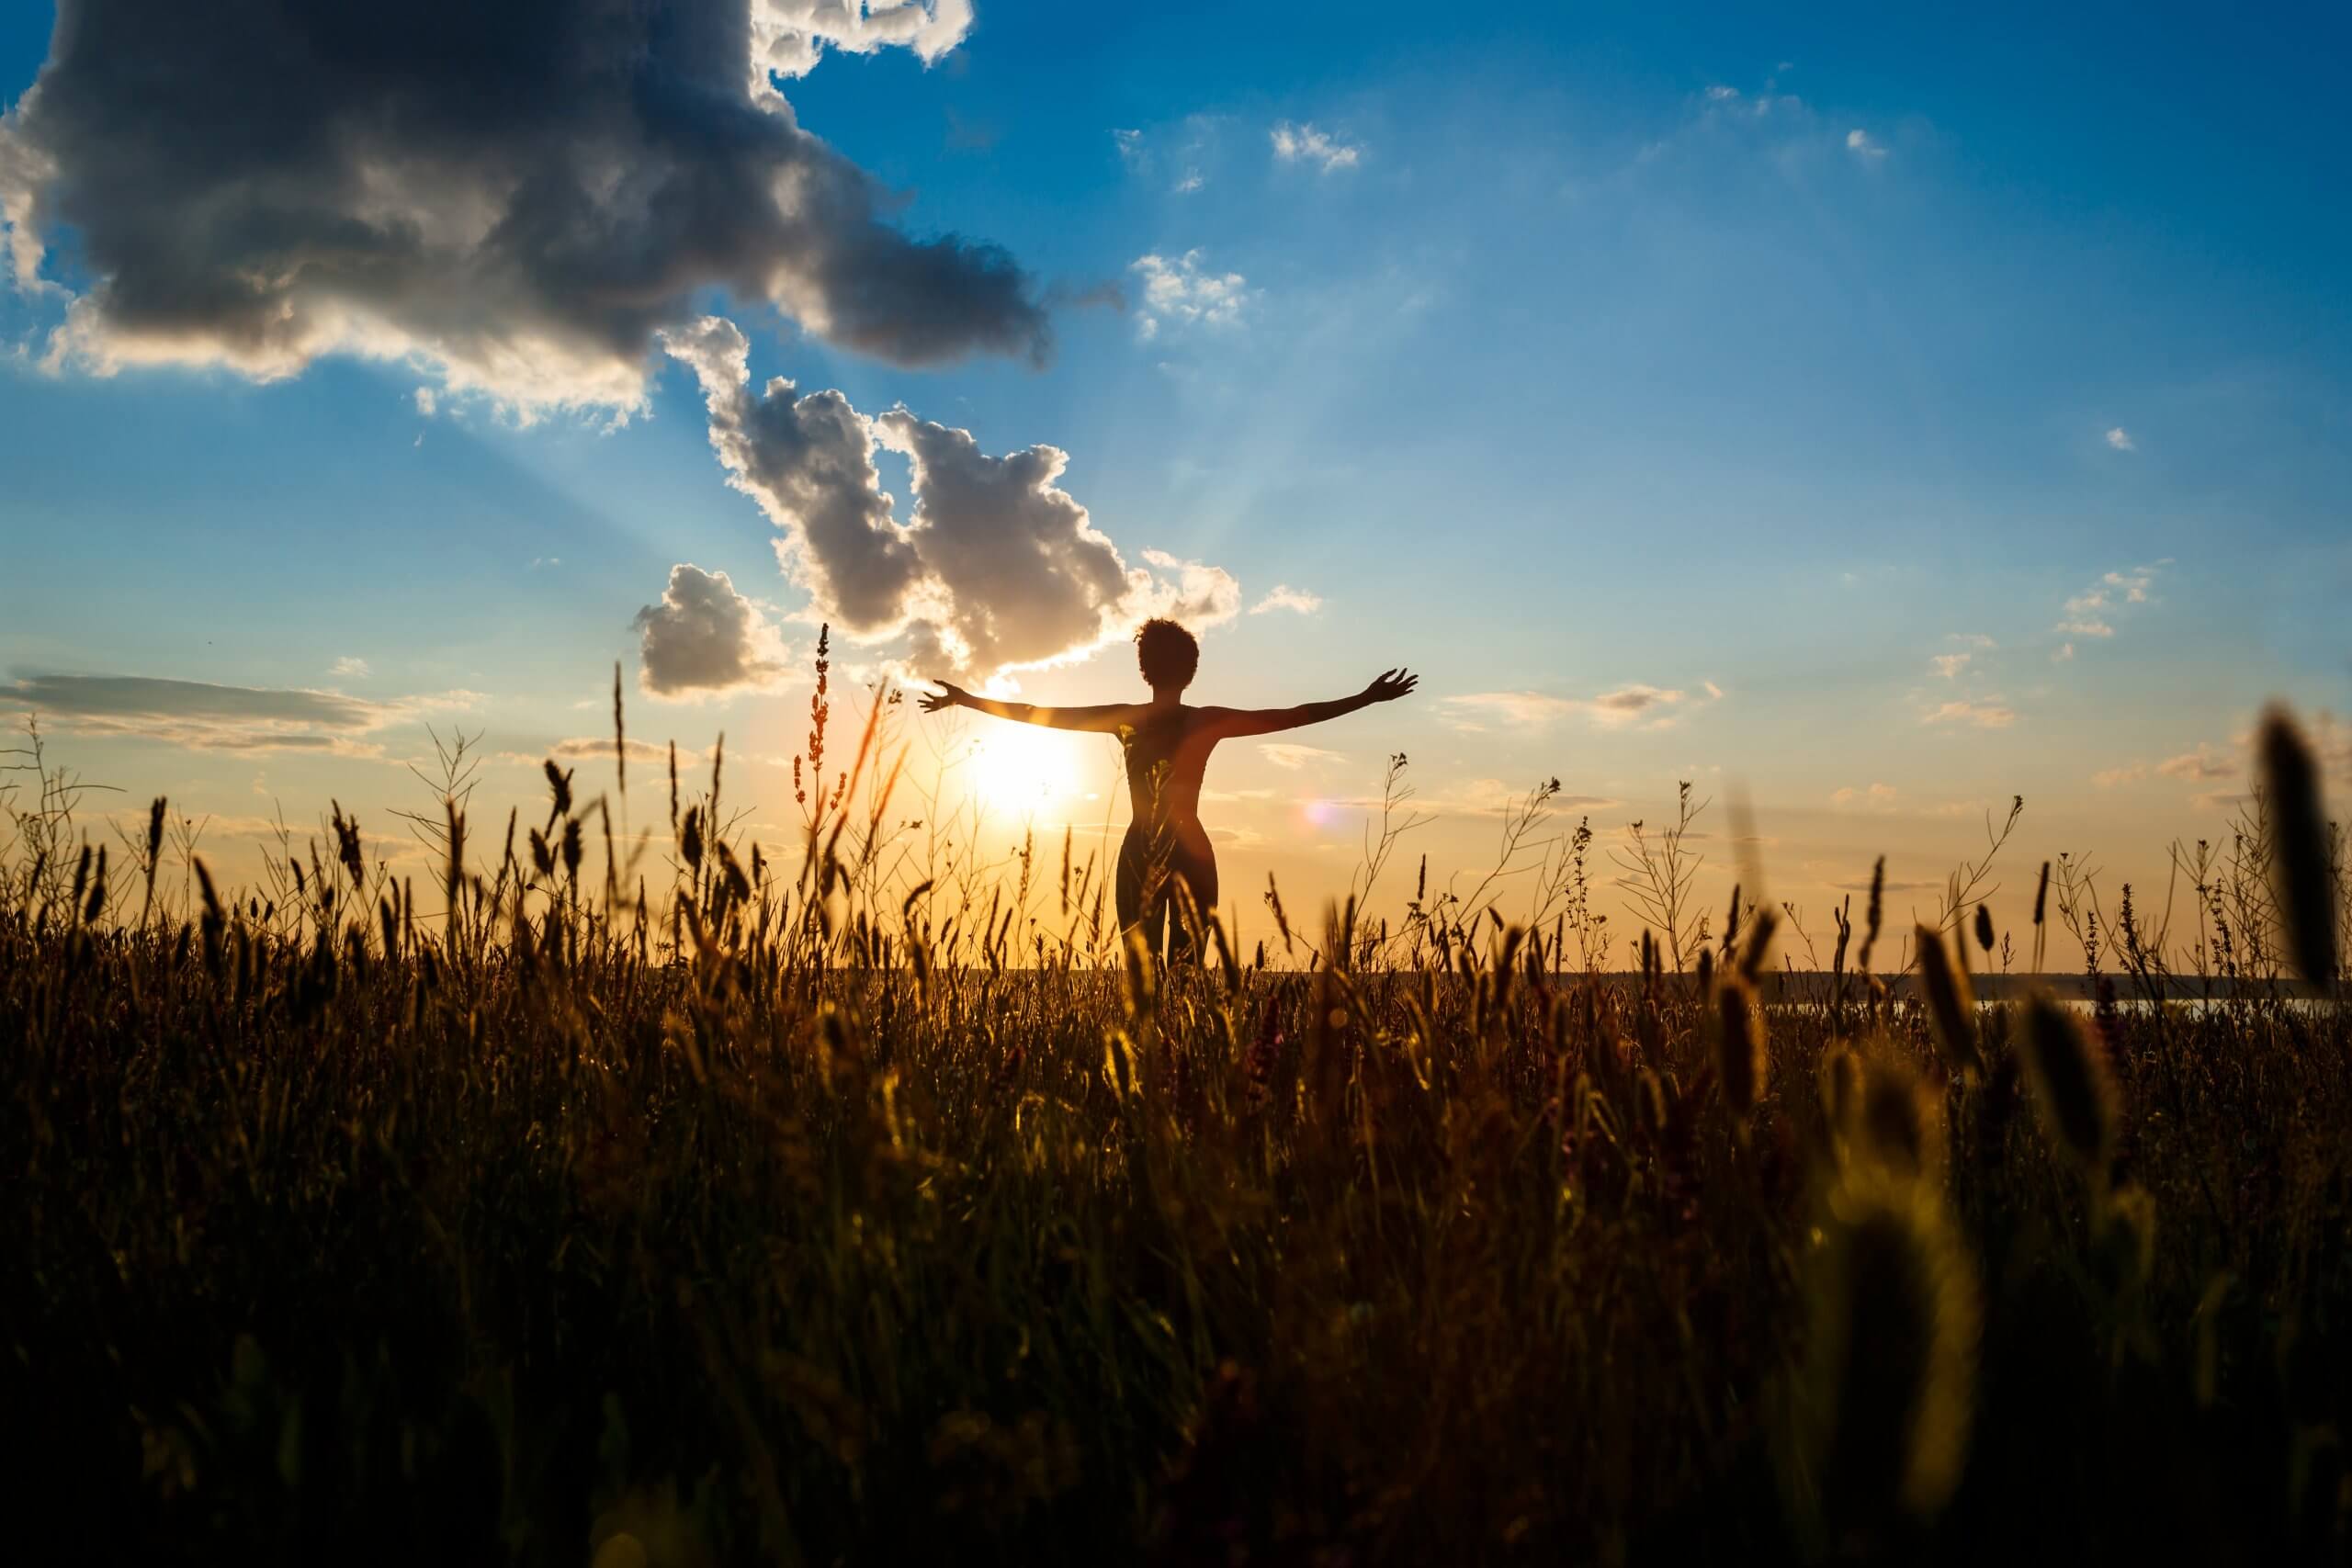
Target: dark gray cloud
[
  {"x": 997, "y": 567},
  {"x": 213, "y": 717},
  {"x": 520, "y": 193},
  {"x": 705, "y": 637}
]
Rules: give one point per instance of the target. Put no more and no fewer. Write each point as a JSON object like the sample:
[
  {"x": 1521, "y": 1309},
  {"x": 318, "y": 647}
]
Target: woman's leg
[
  {"x": 1135, "y": 910},
  {"x": 1187, "y": 945}
]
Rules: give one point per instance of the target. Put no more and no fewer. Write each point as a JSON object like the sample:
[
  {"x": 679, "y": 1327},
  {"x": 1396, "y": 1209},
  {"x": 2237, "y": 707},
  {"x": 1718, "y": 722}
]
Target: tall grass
[{"x": 855, "y": 1212}]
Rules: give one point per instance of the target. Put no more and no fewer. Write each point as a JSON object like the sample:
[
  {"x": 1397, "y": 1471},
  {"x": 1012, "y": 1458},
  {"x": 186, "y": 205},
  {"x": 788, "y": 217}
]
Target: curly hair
[{"x": 1167, "y": 653}]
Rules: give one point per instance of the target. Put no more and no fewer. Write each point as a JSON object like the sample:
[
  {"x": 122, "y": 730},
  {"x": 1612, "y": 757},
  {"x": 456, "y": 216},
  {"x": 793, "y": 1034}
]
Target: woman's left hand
[{"x": 949, "y": 695}]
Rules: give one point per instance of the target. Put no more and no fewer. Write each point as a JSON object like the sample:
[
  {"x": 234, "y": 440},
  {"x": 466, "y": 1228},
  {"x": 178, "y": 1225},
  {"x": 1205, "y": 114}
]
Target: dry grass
[{"x": 858, "y": 1213}]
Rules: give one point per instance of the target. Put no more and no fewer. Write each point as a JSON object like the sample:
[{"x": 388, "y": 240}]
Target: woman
[{"x": 1168, "y": 747}]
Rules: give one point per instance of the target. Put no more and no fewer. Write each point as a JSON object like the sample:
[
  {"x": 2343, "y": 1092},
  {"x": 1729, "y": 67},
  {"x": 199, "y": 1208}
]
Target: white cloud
[
  {"x": 2089, "y": 614},
  {"x": 704, "y": 638},
  {"x": 2120, "y": 439},
  {"x": 1195, "y": 594},
  {"x": 349, "y": 666},
  {"x": 1190, "y": 183},
  {"x": 426, "y": 402},
  {"x": 1859, "y": 142},
  {"x": 1984, "y": 713},
  {"x": 1949, "y": 665},
  {"x": 2065, "y": 652},
  {"x": 1296, "y": 143},
  {"x": 1285, "y": 597},
  {"x": 789, "y": 37},
  {"x": 1290, "y": 758},
  {"x": 2131, "y": 773},
  {"x": 1179, "y": 291},
  {"x": 1722, "y": 94}
]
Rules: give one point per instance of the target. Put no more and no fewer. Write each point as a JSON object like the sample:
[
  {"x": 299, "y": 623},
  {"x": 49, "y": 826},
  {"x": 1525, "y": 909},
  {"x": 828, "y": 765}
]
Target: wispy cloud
[
  {"x": 1986, "y": 713},
  {"x": 1307, "y": 144},
  {"x": 349, "y": 666},
  {"x": 2120, "y": 439},
  {"x": 1877, "y": 798},
  {"x": 1286, "y": 755},
  {"x": 2199, "y": 766},
  {"x": 1949, "y": 665},
  {"x": 1643, "y": 705},
  {"x": 2091, "y": 612},
  {"x": 1130, "y": 145},
  {"x": 2131, "y": 773},
  {"x": 204, "y": 716},
  {"x": 1178, "y": 290},
  {"x": 1859, "y": 142},
  {"x": 1285, "y": 597}
]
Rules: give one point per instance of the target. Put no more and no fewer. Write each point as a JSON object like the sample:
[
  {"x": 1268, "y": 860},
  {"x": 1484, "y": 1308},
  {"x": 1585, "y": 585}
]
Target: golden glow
[{"x": 1018, "y": 768}]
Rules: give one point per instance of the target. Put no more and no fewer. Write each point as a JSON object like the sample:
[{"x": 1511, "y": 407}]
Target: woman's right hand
[{"x": 949, "y": 695}]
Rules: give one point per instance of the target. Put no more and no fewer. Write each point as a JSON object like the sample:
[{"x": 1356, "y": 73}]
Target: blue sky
[{"x": 1616, "y": 350}]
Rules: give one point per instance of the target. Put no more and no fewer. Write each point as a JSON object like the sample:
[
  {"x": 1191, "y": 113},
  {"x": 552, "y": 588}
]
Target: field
[{"x": 778, "y": 1216}]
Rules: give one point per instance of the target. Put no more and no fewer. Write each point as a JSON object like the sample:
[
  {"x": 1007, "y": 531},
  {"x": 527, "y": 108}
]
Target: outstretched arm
[
  {"x": 1231, "y": 722},
  {"x": 1101, "y": 718}
]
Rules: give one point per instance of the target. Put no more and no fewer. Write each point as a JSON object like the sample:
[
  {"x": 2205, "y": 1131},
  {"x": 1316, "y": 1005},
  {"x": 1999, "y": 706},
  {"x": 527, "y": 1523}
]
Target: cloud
[
  {"x": 1180, "y": 292},
  {"x": 997, "y": 567},
  {"x": 1531, "y": 710},
  {"x": 1976, "y": 640},
  {"x": 516, "y": 196},
  {"x": 705, "y": 637},
  {"x": 1283, "y": 754},
  {"x": 205, "y": 716},
  {"x": 789, "y": 37},
  {"x": 2065, "y": 651},
  {"x": 1190, "y": 183},
  {"x": 2120, "y": 439},
  {"x": 2199, "y": 766},
  {"x": 594, "y": 746},
  {"x": 349, "y": 666},
  {"x": 2131, "y": 773},
  {"x": 1878, "y": 797},
  {"x": 1130, "y": 145},
  {"x": 1298, "y": 144},
  {"x": 1285, "y": 597},
  {"x": 1722, "y": 94},
  {"x": 427, "y": 403},
  {"x": 2087, "y": 613},
  {"x": 1986, "y": 714},
  {"x": 1199, "y": 595},
  {"x": 1949, "y": 665},
  {"x": 1859, "y": 142},
  {"x": 1520, "y": 710}
]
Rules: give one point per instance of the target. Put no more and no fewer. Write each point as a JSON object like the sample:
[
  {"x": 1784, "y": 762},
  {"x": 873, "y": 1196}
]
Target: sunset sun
[{"x": 1017, "y": 769}]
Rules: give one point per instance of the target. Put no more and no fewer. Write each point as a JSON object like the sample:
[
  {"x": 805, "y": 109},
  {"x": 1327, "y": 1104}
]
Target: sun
[{"x": 1018, "y": 768}]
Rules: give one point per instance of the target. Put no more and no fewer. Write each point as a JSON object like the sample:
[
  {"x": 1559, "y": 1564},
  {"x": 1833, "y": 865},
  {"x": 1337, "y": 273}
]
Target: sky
[{"x": 1868, "y": 414}]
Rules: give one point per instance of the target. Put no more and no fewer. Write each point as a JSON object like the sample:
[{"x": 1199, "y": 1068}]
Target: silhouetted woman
[{"x": 1168, "y": 747}]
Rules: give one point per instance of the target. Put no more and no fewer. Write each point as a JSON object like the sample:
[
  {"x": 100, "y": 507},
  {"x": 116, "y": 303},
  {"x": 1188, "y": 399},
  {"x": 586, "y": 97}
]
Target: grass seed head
[
  {"x": 1952, "y": 1007},
  {"x": 2071, "y": 1085},
  {"x": 1741, "y": 1066},
  {"x": 1892, "y": 1356},
  {"x": 2300, "y": 859}
]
